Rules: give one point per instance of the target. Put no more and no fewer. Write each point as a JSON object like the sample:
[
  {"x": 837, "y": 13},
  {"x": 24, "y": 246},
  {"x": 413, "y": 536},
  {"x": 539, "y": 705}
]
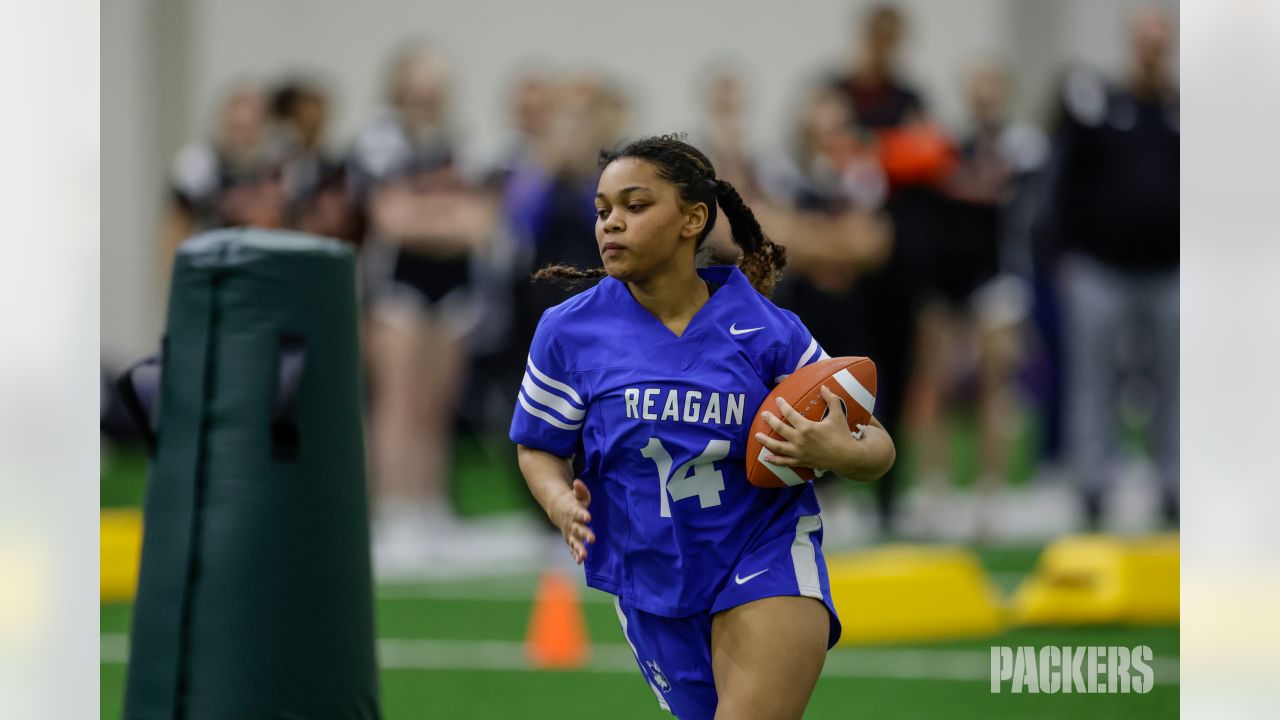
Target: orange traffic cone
[{"x": 557, "y": 628}]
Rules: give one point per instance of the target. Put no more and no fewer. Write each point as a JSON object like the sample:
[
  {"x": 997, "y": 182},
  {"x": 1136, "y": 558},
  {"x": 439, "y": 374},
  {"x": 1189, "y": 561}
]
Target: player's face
[{"x": 641, "y": 225}]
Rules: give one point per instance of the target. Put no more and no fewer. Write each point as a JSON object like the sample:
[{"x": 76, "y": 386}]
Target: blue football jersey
[{"x": 663, "y": 423}]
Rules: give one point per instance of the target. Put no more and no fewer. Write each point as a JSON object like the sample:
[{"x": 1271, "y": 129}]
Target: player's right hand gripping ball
[{"x": 852, "y": 379}]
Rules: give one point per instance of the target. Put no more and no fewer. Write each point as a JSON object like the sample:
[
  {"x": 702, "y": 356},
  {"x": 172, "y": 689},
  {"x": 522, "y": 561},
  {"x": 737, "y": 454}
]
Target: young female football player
[{"x": 654, "y": 376}]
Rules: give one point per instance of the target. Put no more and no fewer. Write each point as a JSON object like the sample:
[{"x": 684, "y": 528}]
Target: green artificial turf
[{"x": 498, "y": 609}]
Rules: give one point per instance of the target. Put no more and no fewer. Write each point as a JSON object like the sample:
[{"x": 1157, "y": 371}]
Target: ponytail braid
[
  {"x": 691, "y": 172},
  {"x": 762, "y": 259},
  {"x": 568, "y": 275}
]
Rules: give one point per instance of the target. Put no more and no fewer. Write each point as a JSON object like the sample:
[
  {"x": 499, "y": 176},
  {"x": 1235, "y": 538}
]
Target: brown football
[{"x": 852, "y": 379}]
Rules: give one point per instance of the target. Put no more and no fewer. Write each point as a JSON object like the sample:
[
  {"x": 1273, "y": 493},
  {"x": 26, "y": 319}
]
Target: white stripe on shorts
[
  {"x": 622, "y": 618},
  {"x": 804, "y": 557}
]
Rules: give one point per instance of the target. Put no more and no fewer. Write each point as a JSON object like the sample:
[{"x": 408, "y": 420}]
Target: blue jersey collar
[
  {"x": 724, "y": 275},
  {"x": 729, "y": 277}
]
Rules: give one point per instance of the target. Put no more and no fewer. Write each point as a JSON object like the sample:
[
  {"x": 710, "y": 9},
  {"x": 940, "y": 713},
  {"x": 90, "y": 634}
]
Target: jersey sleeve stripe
[
  {"x": 553, "y": 382},
  {"x": 555, "y": 402},
  {"x": 804, "y": 359},
  {"x": 546, "y": 416}
]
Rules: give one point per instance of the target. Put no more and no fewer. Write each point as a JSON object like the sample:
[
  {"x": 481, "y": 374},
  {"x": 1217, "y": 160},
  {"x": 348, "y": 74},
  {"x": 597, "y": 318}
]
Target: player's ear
[{"x": 695, "y": 219}]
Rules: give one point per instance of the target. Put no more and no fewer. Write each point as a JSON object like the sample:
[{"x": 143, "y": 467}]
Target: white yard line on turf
[
  {"x": 491, "y": 593},
  {"x": 491, "y": 655}
]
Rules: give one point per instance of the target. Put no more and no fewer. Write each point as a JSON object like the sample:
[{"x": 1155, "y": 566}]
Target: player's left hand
[{"x": 823, "y": 444}]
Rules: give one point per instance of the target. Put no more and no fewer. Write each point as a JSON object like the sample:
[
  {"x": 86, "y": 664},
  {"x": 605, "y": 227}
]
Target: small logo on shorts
[
  {"x": 658, "y": 677},
  {"x": 740, "y": 580}
]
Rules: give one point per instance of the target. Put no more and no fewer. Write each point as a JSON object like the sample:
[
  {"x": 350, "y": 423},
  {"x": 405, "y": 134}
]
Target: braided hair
[{"x": 695, "y": 179}]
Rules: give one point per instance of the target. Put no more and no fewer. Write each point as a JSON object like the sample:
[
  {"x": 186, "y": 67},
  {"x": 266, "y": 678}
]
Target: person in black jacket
[{"x": 1115, "y": 208}]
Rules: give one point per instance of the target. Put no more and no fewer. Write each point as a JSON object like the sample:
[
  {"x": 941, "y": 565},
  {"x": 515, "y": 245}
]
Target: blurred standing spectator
[
  {"x": 826, "y": 196},
  {"x": 527, "y": 179},
  {"x": 315, "y": 180},
  {"x": 1115, "y": 205},
  {"x": 973, "y": 322},
  {"x": 722, "y": 137},
  {"x": 527, "y": 166},
  {"x": 879, "y": 96},
  {"x": 834, "y": 189},
  {"x": 521, "y": 180},
  {"x": 589, "y": 113},
  {"x": 426, "y": 224},
  {"x": 916, "y": 157},
  {"x": 722, "y": 134},
  {"x": 553, "y": 199},
  {"x": 233, "y": 178},
  {"x": 819, "y": 199}
]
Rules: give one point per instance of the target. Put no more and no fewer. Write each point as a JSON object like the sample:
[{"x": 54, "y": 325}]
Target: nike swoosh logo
[
  {"x": 740, "y": 580},
  {"x": 733, "y": 329}
]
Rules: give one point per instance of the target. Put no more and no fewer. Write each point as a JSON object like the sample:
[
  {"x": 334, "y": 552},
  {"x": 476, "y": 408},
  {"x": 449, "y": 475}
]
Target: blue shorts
[{"x": 674, "y": 654}]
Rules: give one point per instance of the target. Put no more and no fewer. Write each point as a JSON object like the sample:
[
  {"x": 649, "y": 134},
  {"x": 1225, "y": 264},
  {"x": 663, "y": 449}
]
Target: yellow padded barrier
[
  {"x": 1099, "y": 579},
  {"x": 904, "y": 593},
  {"x": 120, "y": 548}
]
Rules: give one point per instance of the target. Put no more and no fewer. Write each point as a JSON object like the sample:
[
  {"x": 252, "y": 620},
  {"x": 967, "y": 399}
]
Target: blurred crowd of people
[{"x": 1013, "y": 271}]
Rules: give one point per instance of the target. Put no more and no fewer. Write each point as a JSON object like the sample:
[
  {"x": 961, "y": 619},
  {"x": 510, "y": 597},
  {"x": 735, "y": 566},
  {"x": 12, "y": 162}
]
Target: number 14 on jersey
[{"x": 696, "y": 478}]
